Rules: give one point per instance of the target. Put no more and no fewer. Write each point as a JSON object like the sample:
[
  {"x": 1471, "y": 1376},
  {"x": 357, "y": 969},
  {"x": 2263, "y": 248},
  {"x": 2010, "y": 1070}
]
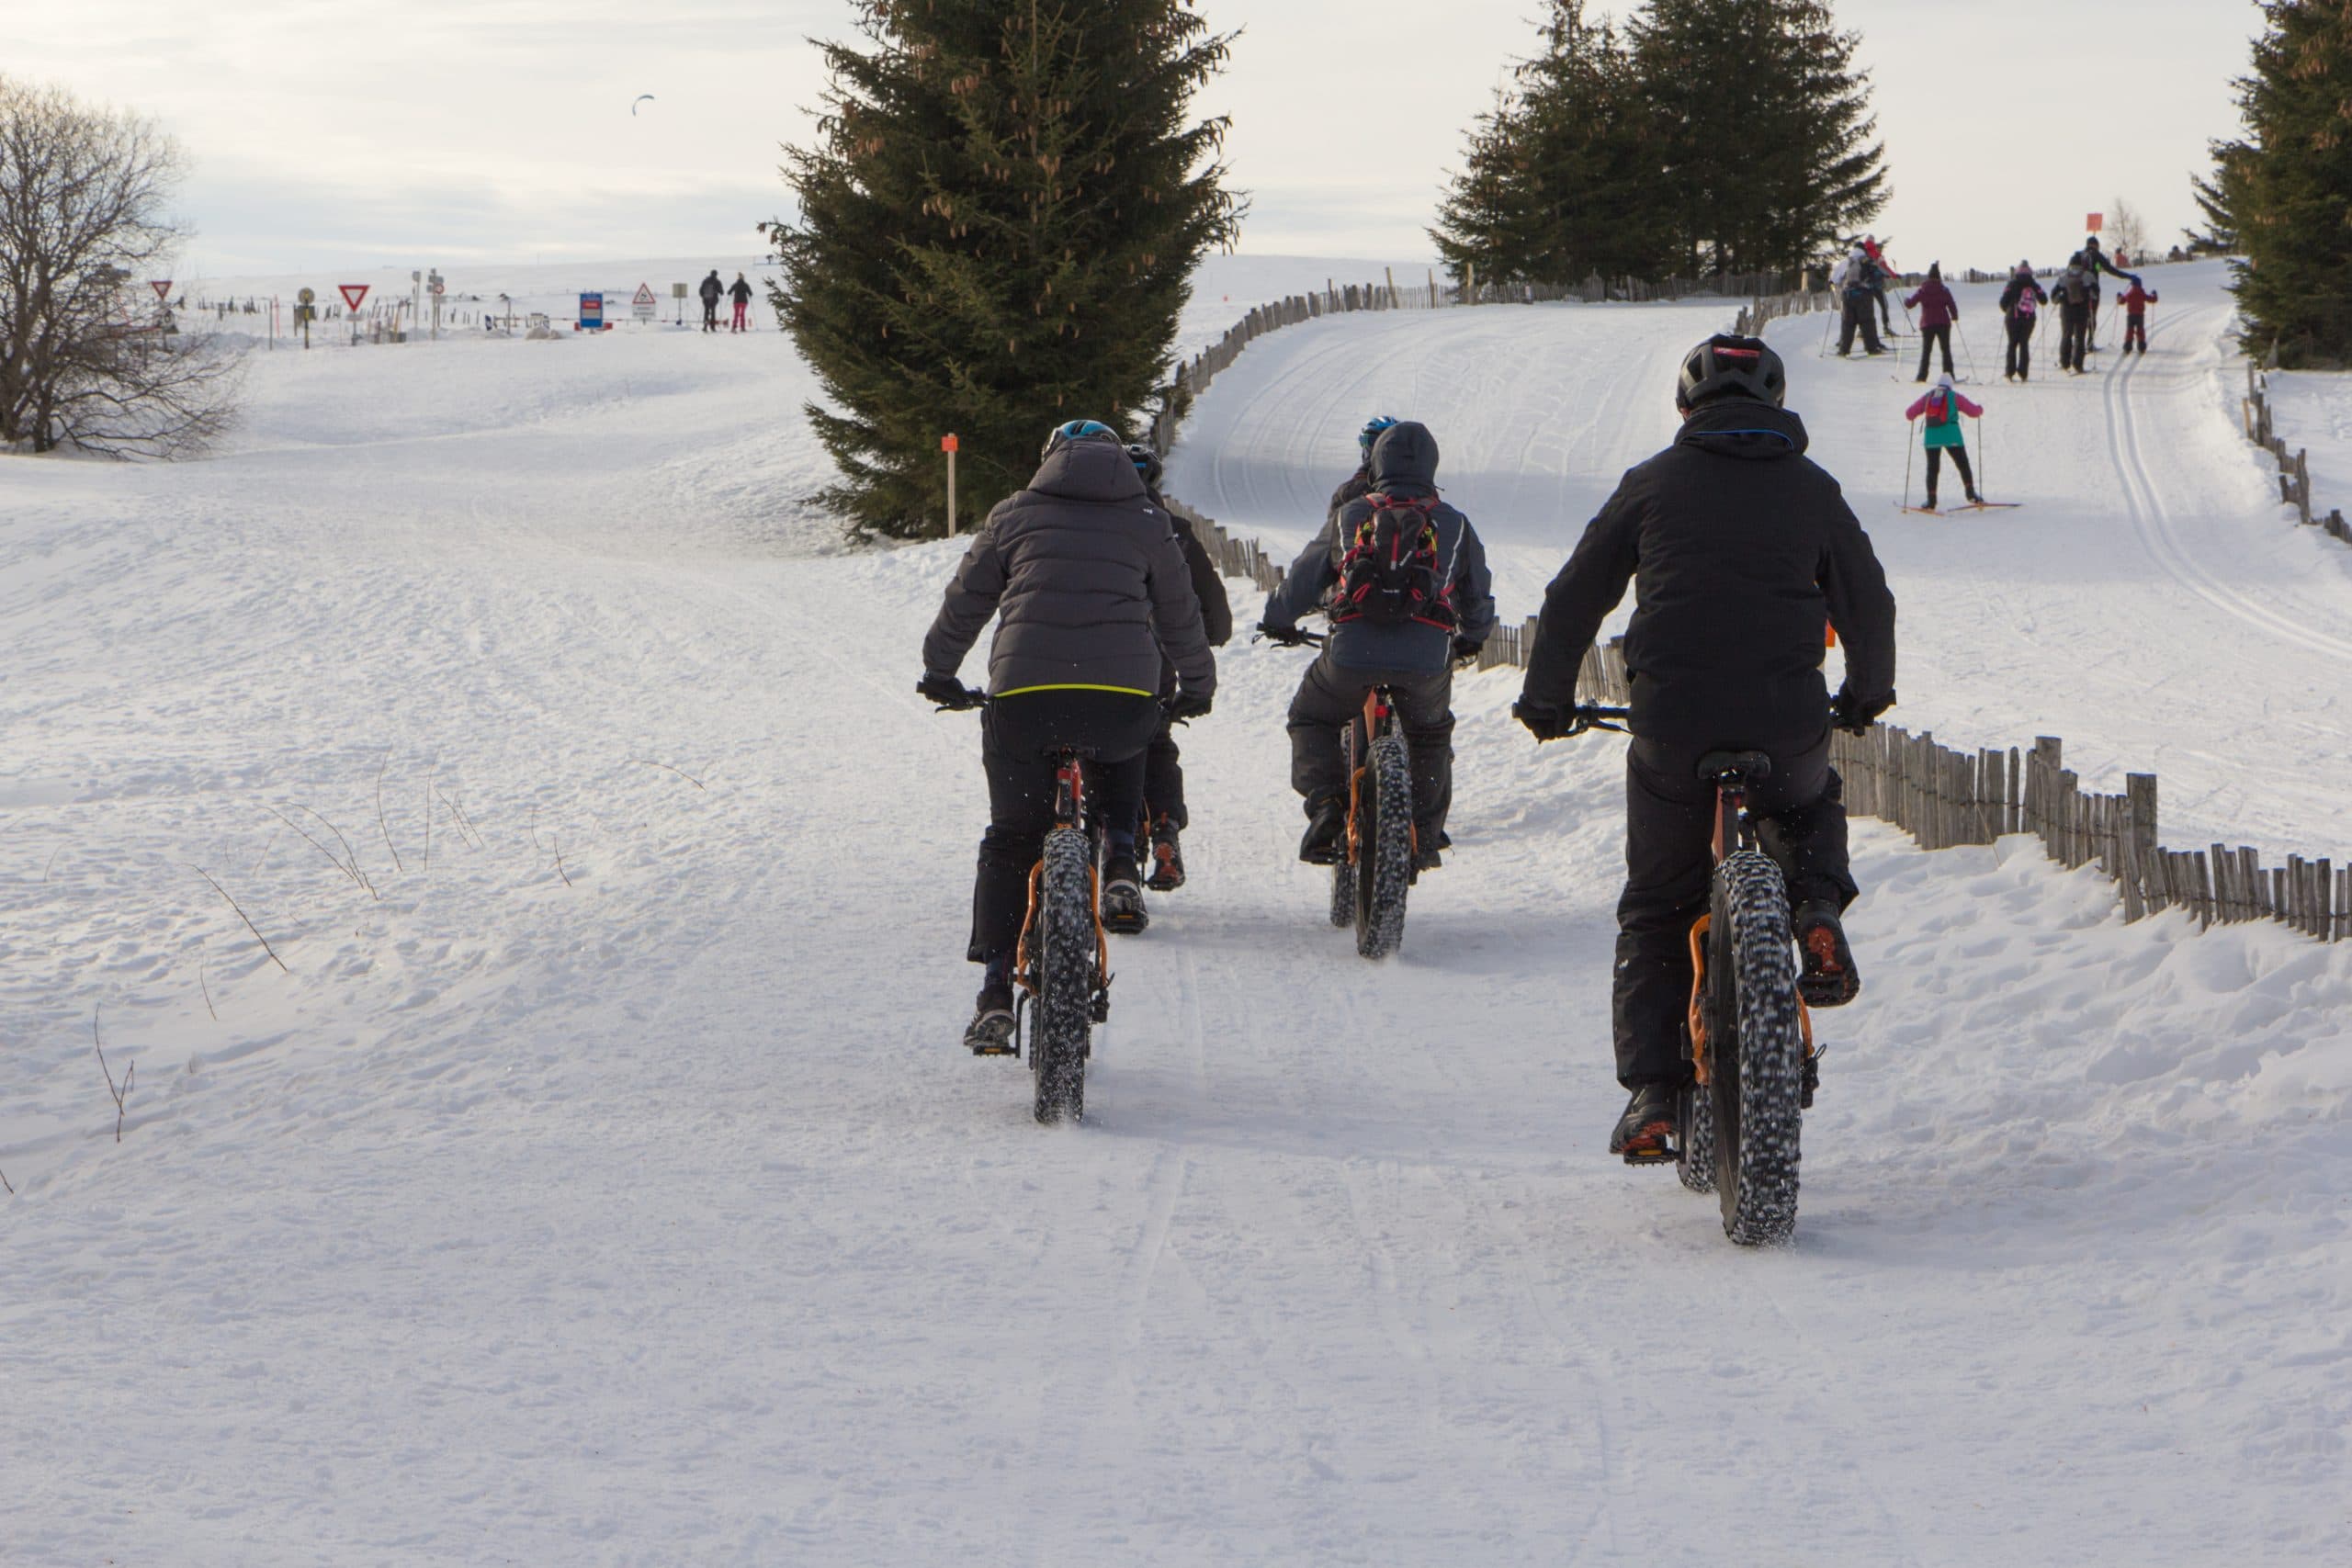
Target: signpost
[
  {"x": 306, "y": 309},
  {"x": 162, "y": 287},
  {"x": 433, "y": 284},
  {"x": 678, "y": 292},
  {"x": 353, "y": 293},
  {"x": 592, "y": 313},
  {"x": 948, "y": 444},
  {"x": 2094, "y": 222},
  {"x": 641, "y": 307}
]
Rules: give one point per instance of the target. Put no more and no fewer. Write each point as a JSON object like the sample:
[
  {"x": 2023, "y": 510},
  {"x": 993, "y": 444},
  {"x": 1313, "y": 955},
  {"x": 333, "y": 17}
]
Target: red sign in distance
[
  {"x": 947, "y": 444},
  {"x": 352, "y": 294},
  {"x": 2095, "y": 222},
  {"x": 162, "y": 286}
]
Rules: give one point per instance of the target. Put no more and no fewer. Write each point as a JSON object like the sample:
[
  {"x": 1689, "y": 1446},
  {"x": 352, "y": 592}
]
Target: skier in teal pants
[{"x": 1943, "y": 405}]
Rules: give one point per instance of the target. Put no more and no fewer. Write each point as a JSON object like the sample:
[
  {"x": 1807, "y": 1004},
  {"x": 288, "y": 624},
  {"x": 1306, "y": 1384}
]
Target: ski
[{"x": 1964, "y": 506}]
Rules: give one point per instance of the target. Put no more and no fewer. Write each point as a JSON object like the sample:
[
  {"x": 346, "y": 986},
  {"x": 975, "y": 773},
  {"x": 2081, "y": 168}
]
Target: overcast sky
[{"x": 328, "y": 133}]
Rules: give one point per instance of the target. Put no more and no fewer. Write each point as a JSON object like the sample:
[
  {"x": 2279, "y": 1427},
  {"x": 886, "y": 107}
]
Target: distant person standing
[
  {"x": 1877, "y": 254},
  {"x": 2094, "y": 261},
  {"x": 1943, "y": 405},
  {"x": 2021, "y": 303},
  {"x": 1937, "y": 310},
  {"x": 710, "y": 291},
  {"x": 1857, "y": 279},
  {"x": 2135, "y": 301},
  {"x": 740, "y": 292},
  {"x": 2076, "y": 297}
]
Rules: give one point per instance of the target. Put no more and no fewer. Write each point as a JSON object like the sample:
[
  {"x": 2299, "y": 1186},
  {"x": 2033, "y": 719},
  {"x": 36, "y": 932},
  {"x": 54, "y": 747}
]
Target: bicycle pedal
[{"x": 1662, "y": 1154}]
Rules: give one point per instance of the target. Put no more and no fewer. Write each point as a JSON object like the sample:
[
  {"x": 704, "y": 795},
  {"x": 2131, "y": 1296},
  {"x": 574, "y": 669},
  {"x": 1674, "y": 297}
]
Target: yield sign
[
  {"x": 352, "y": 294},
  {"x": 162, "y": 286}
]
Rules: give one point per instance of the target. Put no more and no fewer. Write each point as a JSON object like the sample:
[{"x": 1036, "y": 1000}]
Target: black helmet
[
  {"x": 1728, "y": 367},
  {"x": 1147, "y": 462}
]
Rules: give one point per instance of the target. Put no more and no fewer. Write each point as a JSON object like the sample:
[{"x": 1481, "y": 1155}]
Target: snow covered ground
[
  {"x": 2314, "y": 411},
  {"x": 2150, "y": 602},
  {"x": 610, "y": 1188}
]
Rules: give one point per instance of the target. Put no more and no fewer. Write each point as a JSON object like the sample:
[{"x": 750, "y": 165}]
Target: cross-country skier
[
  {"x": 1858, "y": 281},
  {"x": 1090, "y": 591},
  {"x": 2135, "y": 301},
  {"x": 1413, "y": 655},
  {"x": 1739, "y": 549},
  {"x": 1942, "y": 407},
  {"x": 1877, "y": 252},
  {"x": 2076, "y": 298},
  {"x": 740, "y": 292},
  {"x": 1937, "y": 310},
  {"x": 711, "y": 291},
  {"x": 2021, "y": 303},
  {"x": 2094, "y": 261},
  {"x": 1164, "y": 768}
]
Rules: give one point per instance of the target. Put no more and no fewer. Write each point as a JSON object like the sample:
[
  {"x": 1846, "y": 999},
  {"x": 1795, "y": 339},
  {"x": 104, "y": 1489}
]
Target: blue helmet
[
  {"x": 1372, "y": 427},
  {"x": 1076, "y": 430},
  {"x": 1147, "y": 462}
]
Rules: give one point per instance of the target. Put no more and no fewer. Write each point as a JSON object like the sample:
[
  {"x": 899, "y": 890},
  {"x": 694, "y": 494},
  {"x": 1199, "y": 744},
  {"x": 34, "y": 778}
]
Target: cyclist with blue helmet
[
  {"x": 1358, "y": 485},
  {"x": 1086, "y": 584}
]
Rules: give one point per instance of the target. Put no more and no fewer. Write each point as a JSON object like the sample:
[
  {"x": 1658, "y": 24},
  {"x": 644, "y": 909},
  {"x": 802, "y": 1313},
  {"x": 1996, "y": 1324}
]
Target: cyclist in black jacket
[
  {"x": 1163, "y": 767},
  {"x": 1741, "y": 552}
]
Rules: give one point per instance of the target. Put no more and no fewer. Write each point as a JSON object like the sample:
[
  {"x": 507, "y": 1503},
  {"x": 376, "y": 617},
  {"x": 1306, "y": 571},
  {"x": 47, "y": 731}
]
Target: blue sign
[{"x": 592, "y": 313}]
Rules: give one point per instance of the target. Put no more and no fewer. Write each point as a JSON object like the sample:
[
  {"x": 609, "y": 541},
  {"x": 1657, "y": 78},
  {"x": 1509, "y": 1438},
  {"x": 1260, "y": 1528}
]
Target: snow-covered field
[
  {"x": 610, "y": 1188},
  {"x": 2313, "y": 413}
]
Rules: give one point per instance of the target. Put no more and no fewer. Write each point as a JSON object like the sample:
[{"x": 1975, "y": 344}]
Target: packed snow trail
[
  {"x": 2150, "y": 602},
  {"x": 639, "y": 1207}
]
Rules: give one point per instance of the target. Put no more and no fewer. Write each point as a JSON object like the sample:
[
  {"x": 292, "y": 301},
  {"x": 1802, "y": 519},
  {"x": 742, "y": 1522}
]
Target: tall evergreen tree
[
  {"x": 2283, "y": 195},
  {"x": 1767, "y": 132},
  {"x": 1558, "y": 181},
  {"x": 999, "y": 222}
]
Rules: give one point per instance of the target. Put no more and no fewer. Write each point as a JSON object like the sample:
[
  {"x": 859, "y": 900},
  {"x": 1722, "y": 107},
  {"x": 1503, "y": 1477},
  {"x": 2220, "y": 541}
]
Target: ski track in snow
[{"x": 656, "y": 1217}]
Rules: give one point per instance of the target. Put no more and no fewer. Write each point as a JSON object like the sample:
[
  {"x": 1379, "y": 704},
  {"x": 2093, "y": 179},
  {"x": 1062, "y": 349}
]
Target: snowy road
[{"x": 639, "y": 1208}]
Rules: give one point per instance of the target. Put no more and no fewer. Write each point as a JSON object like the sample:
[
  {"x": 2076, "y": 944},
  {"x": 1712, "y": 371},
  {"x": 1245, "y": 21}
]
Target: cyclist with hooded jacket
[
  {"x": 1088, "y": 589},
  {"x": 1414, "y": 659},
  {"x": 1740, "y": 552}
]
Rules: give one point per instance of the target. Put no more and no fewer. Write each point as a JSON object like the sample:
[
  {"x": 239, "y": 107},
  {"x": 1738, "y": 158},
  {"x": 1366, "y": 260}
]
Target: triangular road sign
[
  {"x": 162, "y": 286},
  {"x": 644, "y": 295},
  {"x": 352, "y": 294}
]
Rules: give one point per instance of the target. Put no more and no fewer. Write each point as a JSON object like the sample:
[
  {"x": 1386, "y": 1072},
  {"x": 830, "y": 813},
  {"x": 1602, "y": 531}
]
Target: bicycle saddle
[{"x": 1753, "y": 766}]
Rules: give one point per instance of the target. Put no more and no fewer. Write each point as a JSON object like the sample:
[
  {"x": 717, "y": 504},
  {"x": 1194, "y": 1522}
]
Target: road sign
[
  {"x": 641, "y": 306},
  {"x": 592, "y": 312},
  {"x": 2094, "y": 222},
  {"x": 353, "y": 293},
  {"x": 162, "y": 286},
  {"x": 308, "y": 296}
]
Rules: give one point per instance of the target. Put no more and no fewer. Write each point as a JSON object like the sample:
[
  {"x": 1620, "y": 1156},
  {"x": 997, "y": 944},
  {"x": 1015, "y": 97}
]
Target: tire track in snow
[{"x": 2151, "y": 521}]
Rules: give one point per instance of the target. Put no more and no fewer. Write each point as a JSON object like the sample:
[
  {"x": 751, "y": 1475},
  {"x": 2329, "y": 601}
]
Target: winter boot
[
  {"x": 1647, "y": 1132},
  {"x": 991, "y": 1031},
  {"x": 1166, "y": 858},
  {"x": 1830, "y": 979},
  {"x": 1327, "y": 820},
  {"x": 1123, "y": 910},
  {"x": 1429, "y": 839}
]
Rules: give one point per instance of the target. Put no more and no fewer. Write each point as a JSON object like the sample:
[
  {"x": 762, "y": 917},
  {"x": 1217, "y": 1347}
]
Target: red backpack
[{"x": 1390, "y": 575}]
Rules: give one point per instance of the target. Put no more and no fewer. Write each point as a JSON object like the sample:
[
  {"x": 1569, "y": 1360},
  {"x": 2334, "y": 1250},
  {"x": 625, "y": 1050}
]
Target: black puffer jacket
[
  {"x": 1356, "y": 487},
  {"x": 1088, "y": 581},
  {"x": 1404, "y": 464},
  {"x": 1740, "y": 549}
]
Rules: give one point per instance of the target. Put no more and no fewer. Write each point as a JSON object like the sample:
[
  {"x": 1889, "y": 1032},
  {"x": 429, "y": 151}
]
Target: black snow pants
[
  {"x": 2073, "y": 336},
  {"x": 1163, "y": 767},
  {"x": 2135, "y": 332},
  {"x": 1669, "y": 827},
  {"x": 1859, "y": 318},
  {"x": 1019, "y": 738},
  {"x": 1928, "y": 338},
  {"x": 2020, "y": 361},
  {"x": 710, "y": 313},
  {"x": 1959, "y": 456},
  {"x": 1329, "y": 696}
]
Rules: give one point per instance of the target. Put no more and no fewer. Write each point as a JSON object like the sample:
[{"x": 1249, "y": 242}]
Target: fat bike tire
[
  {"x": 1065, "y": 962},
  {"x": 1756, "y": 1050},
  {"x": 1386, "y": 870},
  {"x": 1695, "y": 1165},
  {"x": 1343, "y": 894}
]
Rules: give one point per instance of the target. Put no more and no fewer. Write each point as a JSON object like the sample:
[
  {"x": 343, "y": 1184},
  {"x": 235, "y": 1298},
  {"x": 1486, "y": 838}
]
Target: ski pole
[
  {"x": 1908, "y": 445},
  {"x": 1967, "y": 353},
  {"x": 1823, "y": 352},
  {"x": 1983, "y": 461}
]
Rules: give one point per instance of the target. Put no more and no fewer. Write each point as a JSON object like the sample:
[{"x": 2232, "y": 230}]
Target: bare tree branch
[
  {"x": 128, "y": 1074},
  {"x": 242, "y": 916}
]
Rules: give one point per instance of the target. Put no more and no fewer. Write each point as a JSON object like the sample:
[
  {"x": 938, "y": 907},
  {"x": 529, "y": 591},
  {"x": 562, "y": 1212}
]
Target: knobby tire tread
[
  {"x": 1066, "y": 978},
  {"x": 1380, "y": 928},
  {"x": 1758, "y": 1052}
]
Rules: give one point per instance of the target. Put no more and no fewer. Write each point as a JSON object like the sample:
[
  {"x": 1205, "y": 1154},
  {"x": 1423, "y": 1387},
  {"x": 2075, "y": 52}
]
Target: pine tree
[
  {"x": 999, "y": 222},
  {"x": 1558, "y": 181},
  {"x": 2283, "y": 195},
  {"x": 1766, "y": 149}
]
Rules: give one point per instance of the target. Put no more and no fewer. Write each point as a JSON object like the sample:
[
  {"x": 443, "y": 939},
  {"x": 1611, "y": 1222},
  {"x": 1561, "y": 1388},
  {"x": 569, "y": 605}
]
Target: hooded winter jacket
[
  {"x": 711, "y": 288},
  {"x": 1739, "y": 549},
  {"x": 1404, "y": 465},
  {"x": 1087, "y": 580},
  {"x": 2075, "y": 291}
]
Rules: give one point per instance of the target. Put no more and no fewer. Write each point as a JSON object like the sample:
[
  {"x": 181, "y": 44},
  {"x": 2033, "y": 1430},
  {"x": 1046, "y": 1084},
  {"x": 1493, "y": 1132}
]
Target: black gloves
[
  {"x": 949, "y": 693},
  {"x": 1855, "y": 714},
  {"x": 1466, "y": 652},
  {"x": 1545, "y": 721},
  {"x": 1289, "y": 637},
  {"x": 1189, "y": 704}
]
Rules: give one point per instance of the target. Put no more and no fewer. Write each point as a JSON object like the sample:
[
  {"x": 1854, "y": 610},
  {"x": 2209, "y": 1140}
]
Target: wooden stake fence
[{"x": 2295, "y": 472}]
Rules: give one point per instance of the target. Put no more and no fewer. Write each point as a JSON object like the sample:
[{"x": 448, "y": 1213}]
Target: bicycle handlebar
[{"x": 1295, "y": 637}]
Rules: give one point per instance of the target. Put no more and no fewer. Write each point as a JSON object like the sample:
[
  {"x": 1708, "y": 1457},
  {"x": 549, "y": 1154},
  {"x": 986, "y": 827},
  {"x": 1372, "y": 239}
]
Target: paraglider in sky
[{"x": 640, "y": 98}]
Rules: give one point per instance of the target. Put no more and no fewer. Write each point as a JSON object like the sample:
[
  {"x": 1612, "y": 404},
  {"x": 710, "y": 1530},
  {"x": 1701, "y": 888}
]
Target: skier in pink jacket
[
  {"x": 1943, "y": 405},
  {"x": 1937, "y": 310}
]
